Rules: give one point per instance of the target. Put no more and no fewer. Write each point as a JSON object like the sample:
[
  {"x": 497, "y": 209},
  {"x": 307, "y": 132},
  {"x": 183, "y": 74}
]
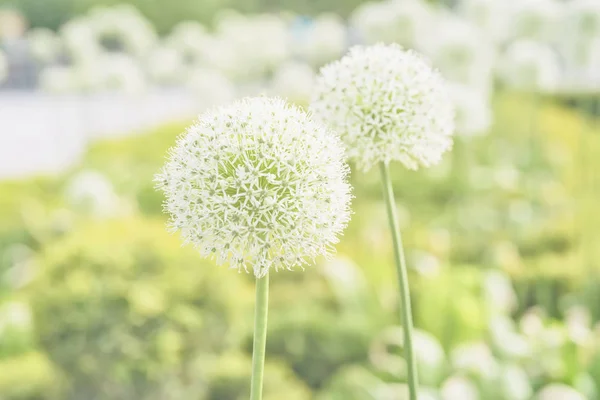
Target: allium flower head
[
  {"x": 388, "y": 105},
  {"x": 259, "y": 185}
]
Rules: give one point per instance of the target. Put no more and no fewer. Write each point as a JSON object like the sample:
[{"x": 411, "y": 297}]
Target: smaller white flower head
[
  {"x": 259, "y": 185},
  {"x": 388, "y": 104},
  {"x": 473, "y": 110},
  {"x": 530, "y": 66},
  {"x": 557, "y": 391},
  {"x": 3, "y": 67}
]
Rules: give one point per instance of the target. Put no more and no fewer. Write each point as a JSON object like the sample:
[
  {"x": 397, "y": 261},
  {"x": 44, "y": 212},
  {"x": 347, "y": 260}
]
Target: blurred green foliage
[{"x": 114, "y": 308}]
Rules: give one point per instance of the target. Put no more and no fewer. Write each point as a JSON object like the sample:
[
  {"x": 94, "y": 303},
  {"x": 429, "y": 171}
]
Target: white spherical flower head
[
  {"x": 259, "y": 185},
  {"x": 388, "y": 105}
]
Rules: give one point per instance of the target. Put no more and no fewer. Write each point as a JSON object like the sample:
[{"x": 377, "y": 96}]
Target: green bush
[{"x": 125, "y": 313}]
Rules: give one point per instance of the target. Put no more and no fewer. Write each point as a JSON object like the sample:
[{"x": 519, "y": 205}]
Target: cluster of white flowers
[
  {"x": 259, "y": 185},
  {"x": 388, "y": 105}
]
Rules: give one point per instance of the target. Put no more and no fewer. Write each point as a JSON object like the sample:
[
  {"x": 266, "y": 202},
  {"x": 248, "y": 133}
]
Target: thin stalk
[
  {"x": 406, "y": 314},
  {"x": 533, "y": 127},
  {"x": 260, "y": 337}
]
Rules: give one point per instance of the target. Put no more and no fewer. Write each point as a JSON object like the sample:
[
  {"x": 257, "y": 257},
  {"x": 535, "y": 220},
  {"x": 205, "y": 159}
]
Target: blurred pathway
[{"x": 42, "y": 133}]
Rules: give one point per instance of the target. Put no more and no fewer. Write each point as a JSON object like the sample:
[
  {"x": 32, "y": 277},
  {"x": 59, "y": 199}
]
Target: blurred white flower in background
[
  {"x": 122, "y": 73},
  {"x": 15, "y": 315},
  {"x": 473, "y": 112},
  {"x": 255, "y": 44},
  {"x": 530, "y": 66},
  {"x": 579, "y": 324},
  {"x": 294, "y": 81},
  {"x": 535, "y": 19},
  {"x": 493, "y": 17},
  {"x": 459, "y": 387},
  {"x": 582, "y": 18},
  {"x": 558, "y": 391},
  {"x": 44, "y": 44},
  {"x": 165, "y": 65},
  {"x": 210, "y": 87},
  {"x": 461, "y": 52},
  {"x": 3, "y": 67},
  {"x": 122, "y": 27},
  {"x": 92, "y": 193},
  {"x": 514, "y": 383},
  {"x": 324, "y": 41},
  {"x": 393, "y": 21},
  {"x": 474, "y": 358},
  {"x": 499, "y": 293},
  {"x": 506, "y": 340},
  {"x": 189, "y": 38},
  {"x": 79, "y": 39}
]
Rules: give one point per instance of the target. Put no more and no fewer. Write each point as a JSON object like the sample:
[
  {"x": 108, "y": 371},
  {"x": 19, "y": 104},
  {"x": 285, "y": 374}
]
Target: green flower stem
[
  {"x": 260, "y": 336},
  {"x": 407, "y": 323}
]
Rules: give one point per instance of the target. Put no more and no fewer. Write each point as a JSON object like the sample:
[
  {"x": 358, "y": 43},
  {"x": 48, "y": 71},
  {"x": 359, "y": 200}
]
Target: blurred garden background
[{"x": 98, "y": 301}]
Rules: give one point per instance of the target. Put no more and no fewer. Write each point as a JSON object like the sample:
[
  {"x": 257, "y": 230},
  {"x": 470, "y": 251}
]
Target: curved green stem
[
  {"x": 407, "y": 323},
  {"x": 260, "y": 337}
]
